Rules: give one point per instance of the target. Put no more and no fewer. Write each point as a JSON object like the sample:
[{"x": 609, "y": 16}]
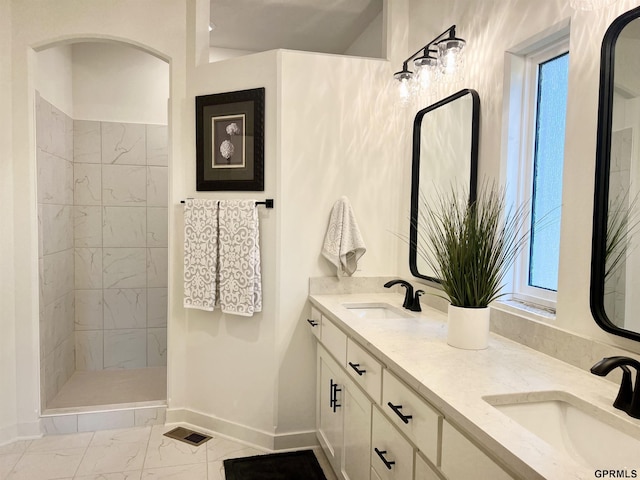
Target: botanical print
[{"x": 228, "y": 141}]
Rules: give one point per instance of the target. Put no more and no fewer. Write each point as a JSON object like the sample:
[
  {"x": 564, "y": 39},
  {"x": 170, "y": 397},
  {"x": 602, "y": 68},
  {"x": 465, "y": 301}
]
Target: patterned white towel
[
  {"x": 343, "y": 244},
  {"x": 240, "y": 278},
  {"x": 200, "y": 253}
]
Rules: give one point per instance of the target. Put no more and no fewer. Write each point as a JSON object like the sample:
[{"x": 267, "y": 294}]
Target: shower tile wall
[
  {"x": 54, "y": 153},
  {"x": 120, "y": 238}
]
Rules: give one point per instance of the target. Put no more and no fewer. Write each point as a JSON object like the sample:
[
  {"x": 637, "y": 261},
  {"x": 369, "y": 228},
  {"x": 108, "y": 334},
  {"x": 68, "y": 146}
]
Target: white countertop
[{"x": 455, "y": 381}]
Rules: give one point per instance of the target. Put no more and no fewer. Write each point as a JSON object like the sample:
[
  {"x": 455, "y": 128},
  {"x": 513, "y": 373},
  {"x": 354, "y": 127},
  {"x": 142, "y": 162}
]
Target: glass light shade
[
  {"x": 426, "y": 70},
  {"x": 450, "y": 55},
  {"x": 589, "y": 4}
]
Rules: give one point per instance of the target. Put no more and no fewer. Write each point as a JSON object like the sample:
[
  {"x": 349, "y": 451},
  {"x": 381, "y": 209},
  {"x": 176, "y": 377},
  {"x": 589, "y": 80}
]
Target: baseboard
[
  {"x": 242, "y": 433},
  {"x": 22, "y": 431}
]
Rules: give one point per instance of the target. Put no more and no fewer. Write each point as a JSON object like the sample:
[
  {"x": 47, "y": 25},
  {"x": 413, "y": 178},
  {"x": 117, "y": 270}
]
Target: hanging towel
[
  {"x": 343, "y": 244},
  {"x": 239, "y": 244},
  {"x": 200, "y": 253}
]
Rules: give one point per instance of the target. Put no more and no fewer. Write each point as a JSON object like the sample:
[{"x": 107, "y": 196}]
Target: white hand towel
[
  {"x": 240, "y": 278},
  {"x": 343, "y": 244},
  {"x": 200, "y": 253}
]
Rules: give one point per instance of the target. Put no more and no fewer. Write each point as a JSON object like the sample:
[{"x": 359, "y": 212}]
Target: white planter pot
[{"x": 468, "y": 328}]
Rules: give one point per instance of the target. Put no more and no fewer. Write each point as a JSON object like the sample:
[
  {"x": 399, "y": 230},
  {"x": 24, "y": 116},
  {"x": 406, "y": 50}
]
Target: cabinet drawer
[
  {"x": 364, "y": 369},
  {"x": 315, "y": 322},
  {"x": 391, "y": 454},
  {"x": 334, "y": 340},
  {"x": 412, "y": 415},
  {"x": 462, "y": 460}
]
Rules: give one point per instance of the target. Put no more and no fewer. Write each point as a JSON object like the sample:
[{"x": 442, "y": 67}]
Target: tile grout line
[{"x": 75, "y": 473}]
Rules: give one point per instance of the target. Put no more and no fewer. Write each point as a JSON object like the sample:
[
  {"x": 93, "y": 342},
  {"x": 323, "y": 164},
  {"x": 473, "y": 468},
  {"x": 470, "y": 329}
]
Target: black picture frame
[{"x": 230, "y": 141}]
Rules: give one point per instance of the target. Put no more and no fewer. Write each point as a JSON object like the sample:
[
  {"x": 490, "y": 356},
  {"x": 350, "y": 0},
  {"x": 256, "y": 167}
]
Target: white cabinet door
[
  {"x": 356, "y": 456},
  {"x": 424, "y": 471},
  {"x": 315, "y": 322},
  {"x": 391, "y": 454},
  {"x": 329, "y": 407},
  {"x": 462, "y": 460}
]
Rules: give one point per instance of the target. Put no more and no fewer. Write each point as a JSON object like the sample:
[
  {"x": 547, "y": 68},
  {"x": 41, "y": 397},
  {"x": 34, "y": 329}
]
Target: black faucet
[
  {"x": 628, "y": 399},
  {"x": 408, "y": 298},
  {"x": 415, "y": 305}
]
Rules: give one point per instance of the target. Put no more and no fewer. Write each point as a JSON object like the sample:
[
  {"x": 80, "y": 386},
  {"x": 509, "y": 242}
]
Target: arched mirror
[
  {"x": 615, "y": 265},
  {"x": 445, "y": 156}
]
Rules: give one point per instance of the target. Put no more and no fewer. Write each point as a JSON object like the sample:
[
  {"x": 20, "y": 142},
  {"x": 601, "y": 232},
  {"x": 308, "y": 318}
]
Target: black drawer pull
[
  {"x": 356, "y": 366},
  {"x": 335, "y": 397},
  {"x": 386, "y": 462},
  {"x": 312, "y": 322},
  {"x": 396, "y": 409}
]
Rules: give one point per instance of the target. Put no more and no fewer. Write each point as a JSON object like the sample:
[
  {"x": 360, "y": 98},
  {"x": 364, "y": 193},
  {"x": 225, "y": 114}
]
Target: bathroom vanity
[{"x": 394, "y": 401}]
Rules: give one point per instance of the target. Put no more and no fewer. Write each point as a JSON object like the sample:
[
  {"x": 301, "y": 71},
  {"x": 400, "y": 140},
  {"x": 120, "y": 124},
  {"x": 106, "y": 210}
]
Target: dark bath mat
[{"x": 302, "y": 465}]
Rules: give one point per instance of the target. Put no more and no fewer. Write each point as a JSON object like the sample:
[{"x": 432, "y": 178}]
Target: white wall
[
  {"x": 117, "y": 83},
  {"x": 493, "y": 27},
  {"x": 54, "y": 77}
]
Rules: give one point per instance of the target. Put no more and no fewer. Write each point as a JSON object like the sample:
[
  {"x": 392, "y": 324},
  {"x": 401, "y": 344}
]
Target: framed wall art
[{"x": 230, "y": 141}]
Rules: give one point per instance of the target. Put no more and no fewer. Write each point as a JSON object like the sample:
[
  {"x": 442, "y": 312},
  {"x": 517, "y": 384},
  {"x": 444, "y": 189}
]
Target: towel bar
[{"x": 268, "y": 203}]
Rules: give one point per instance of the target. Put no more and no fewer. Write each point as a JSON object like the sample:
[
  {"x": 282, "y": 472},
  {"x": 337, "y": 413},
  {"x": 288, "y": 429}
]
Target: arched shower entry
[{"x": 102, "y": 162}]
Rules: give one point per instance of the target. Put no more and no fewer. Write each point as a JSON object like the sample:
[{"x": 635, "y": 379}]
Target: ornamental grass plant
[{"x": 471, "y": 245}]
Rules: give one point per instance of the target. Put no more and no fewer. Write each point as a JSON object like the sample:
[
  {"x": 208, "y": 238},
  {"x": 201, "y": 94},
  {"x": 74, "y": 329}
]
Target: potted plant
[{"x": 470, "y": 246}]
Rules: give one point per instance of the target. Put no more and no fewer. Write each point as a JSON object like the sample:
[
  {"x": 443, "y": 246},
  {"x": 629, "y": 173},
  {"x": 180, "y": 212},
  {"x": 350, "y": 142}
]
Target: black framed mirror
[
  {"x": 615, "y": 261},
  {"x": 445, "y": 156}
]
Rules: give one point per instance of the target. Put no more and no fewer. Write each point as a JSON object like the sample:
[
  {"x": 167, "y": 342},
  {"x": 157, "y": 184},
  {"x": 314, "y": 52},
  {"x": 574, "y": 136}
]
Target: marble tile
[
  {"x": 102, "y": 422},
  {"x": 157, "y": 267},
  {"x": 87, "y": 226},
  {"x": 125, "y": 268},
  {"x": 197, "y": 471},
  {"x": 150, "y": 416},
  {"x": 61, "y": 424},
  {"x": 156, "y": 347},
  {"x": 86, "y": 142},
  {"x": 166, "y": 452},
  {"x": 87, "y": 181},
  {"x": 55, "y": 179},
  {"x": 124, "y": 185},
  {"x": 157, "y": 227},
  {"x": 43, "y": 123},
  {"x": 156, "y": 307},
  {"x": 57, "y": 321},
  {"x": 123, "y": 143},
  {"x": 124, "y": 227},
  {"x": 157, "y": 186},
  {"x": 112, "y": 476},
  {"x": 125, "y": 308},
  {"x": 88, "y": 268},
  {"x": 58, "y": 131},
  {"x": 57, "y": 228},
  {"x": 125, "y": 348},
  {"x": 115, "y": 451},
  {"x": 68, "y": 137},
  {"x": 57, "y": 275},
  {"x": 88, "y": 310},
  {"x": 40, "y": 231},
  {"x": 157, "y": 143},
  {"x": 17, "y": 447},
  {"x": 215, "y": 471},
  {"x": 7, "y": 462},
  {"x": 54, "y": 443},
  {"x": 89, "y": 350},
  {"x": 47, "y": 465}
]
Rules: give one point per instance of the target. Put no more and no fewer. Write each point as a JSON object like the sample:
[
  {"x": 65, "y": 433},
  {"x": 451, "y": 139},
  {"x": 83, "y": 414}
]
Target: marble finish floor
[
  {"x": 129, "y": 454},
  {"x": 109, "y": 387}
]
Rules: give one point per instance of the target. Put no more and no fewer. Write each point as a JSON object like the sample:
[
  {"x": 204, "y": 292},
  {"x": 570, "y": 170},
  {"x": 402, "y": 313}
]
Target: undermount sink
[
  {"x": 375, "y": 310},
  {"x": 591, "y": 436}
]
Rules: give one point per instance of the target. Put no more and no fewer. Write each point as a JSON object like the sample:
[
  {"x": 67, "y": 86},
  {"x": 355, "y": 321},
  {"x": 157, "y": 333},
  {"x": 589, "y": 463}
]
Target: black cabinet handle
[
  {"x": 396, "y": 409},
  {"x": 331, "y": 399},
  {"x": 356, "y": 366},
  {"x": 312, "y": 322},
  {"x": 335, "y": 397},
  {"x": 386, "y": 462}
]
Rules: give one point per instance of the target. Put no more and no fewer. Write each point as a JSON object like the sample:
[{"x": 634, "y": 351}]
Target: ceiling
[{"x": 328, "y": 26}]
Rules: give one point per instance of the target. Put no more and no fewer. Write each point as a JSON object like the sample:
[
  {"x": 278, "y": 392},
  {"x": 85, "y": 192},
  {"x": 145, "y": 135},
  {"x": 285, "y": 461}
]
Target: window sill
[{"x": 526, "y": 309}]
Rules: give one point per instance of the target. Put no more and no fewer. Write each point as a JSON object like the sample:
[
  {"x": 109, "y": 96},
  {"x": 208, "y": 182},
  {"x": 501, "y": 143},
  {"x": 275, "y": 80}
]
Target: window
[{"x": 536, "y": 158}]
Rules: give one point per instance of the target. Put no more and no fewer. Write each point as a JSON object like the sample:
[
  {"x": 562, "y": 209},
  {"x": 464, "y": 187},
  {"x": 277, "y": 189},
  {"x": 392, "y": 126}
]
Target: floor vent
[{"x": 187, "y": 436}]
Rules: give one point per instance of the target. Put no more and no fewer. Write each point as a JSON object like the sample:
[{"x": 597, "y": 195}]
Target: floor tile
[
  {"x": 166, "y": 452},
  {"x": 219, "y": 449},
  {"x": 7, "y": 462},
  {"x": 216, "y": 471},
  {"x": 60, "y": 442},
  {"x": 196, "y": 471},
  {"x": 19, "y": 446},
  {"x": 47, "y": 465},
  {"x": 112, "y": 476}
]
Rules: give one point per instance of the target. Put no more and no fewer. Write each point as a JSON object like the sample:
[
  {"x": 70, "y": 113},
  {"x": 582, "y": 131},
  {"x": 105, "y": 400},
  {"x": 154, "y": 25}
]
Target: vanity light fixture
[
  {"x": 589, "y": 4},
  {"x": 439, "y": 60}
]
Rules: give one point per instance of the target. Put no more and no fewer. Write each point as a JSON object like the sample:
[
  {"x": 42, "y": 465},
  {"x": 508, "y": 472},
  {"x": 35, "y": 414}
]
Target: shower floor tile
[{"x": 108, "y": 387}]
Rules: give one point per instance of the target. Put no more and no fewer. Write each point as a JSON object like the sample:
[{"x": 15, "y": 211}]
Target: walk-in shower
[{"x": 102, "y": 161}]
